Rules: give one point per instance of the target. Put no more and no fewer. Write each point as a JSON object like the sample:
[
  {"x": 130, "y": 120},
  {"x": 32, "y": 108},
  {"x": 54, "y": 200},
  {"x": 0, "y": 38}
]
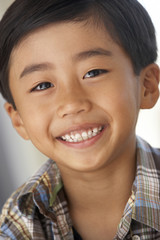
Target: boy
[{"x": 75, "y": 74}]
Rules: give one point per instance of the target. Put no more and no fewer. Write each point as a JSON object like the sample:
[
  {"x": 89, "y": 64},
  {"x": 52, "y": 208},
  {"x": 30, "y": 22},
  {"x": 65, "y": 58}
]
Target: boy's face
[{"x": 73, "y": 79}]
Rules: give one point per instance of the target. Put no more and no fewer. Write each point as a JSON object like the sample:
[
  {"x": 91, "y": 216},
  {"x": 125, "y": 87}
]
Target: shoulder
[
  {"x": 148, "y": 156},
  {"x": 11, "y": 220},
  {"x": 156, "y": 156},
  {"x": 147, "y": 185},
  {"x": 18, "y": 213}
]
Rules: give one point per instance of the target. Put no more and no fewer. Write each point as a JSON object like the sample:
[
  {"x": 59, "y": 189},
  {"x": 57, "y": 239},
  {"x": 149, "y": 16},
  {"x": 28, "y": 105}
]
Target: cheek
[
  {"x": 121, "y": 105},
  {"x": 35, "y": 122},
  {"x": 111, "y": 98}
]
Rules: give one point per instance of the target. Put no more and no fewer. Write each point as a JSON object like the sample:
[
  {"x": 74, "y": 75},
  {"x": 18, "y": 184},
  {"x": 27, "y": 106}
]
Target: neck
[
  {"x": 97, "y": 198},
  {"x": 109, "y": 187}
]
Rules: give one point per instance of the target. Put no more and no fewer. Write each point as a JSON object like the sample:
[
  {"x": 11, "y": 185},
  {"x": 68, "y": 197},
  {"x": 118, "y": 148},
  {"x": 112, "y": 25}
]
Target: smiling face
[{"x": 76, "y": 94}]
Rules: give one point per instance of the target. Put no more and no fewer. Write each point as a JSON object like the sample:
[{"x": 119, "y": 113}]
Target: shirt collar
[
  {"x": 45, "y": 192},
  {"x": 147, "y": 186},
  {"x": 41, "y": 190}
]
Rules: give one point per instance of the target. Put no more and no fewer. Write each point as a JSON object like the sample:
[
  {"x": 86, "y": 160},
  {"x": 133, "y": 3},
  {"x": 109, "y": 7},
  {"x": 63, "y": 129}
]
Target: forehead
[
  {"x": 91, "y": 23},
  {"x": 61, "y": 43},
  {"x": 64, "y": 32}
]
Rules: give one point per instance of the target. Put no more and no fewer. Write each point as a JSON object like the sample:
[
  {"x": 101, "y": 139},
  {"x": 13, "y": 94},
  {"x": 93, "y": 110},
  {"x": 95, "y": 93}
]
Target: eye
[
  {"x": 42, "y": 86},
  {"x": 94, "y": 73}
]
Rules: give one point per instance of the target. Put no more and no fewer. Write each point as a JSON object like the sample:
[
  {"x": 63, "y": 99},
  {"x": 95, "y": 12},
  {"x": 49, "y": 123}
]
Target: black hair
[{"x": 126, "y": 21}]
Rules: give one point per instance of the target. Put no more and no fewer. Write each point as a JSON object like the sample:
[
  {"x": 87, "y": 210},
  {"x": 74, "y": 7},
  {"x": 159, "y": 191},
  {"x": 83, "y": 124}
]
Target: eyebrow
[
  {"x": 78, "y": 57},
  {"x": 35, "y": 68},
  {"x": 91, "y": 53}
]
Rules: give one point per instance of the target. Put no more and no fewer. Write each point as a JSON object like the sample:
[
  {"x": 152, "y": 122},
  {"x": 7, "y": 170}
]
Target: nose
[{"x": 73, "y": 102}]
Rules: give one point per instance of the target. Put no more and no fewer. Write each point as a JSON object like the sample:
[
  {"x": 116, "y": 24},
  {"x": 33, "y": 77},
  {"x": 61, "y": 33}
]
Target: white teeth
[
  {"x": 100, "y": 128},
  {"x": 83, "y": 136},
  {"x": 67, "y": 137},
  {"x": 89, "y": 134},
  {"x": 78, "y": 137},
  {"x": 72, "y": 136},
  {"x": 95, "y": 130}
]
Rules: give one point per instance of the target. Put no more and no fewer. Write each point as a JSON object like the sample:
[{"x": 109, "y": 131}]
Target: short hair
[{"x": 127, "y": 22}]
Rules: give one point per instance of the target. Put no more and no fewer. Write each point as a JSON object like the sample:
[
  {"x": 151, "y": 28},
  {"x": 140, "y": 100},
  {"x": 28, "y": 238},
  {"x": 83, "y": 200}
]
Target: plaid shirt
[{"x": 38, "y": 210}]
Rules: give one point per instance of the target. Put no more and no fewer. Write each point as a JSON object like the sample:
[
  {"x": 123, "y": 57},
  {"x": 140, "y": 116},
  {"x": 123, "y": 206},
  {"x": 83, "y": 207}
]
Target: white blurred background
[{"x": 19, "y": 159}]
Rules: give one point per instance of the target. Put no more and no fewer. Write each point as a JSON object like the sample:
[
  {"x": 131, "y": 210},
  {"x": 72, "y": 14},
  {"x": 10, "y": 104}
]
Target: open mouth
[{"x": 82, "y": 135}]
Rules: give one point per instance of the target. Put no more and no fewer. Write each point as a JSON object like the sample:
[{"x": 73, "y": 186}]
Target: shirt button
[{"x": 135, "y": 237}]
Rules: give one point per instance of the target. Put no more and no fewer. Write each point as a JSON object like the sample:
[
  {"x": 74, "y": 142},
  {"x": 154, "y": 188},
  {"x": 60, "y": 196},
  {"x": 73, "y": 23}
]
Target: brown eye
[
  {"x": 94, "y": 73},
  {"x": 42, "y": 86}
]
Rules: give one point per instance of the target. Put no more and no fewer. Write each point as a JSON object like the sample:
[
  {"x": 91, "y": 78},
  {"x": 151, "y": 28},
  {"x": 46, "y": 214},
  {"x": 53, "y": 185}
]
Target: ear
[
  {"x": 149, "y": 86},
  {"x": 16, "y": 120}
]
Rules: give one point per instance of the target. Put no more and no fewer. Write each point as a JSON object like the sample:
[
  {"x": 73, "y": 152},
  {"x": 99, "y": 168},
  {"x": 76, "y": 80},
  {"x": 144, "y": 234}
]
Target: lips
[{"x": 81, "y": 135}]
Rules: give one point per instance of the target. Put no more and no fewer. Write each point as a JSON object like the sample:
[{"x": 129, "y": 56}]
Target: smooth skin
[{"x": 69, "y": 77}]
